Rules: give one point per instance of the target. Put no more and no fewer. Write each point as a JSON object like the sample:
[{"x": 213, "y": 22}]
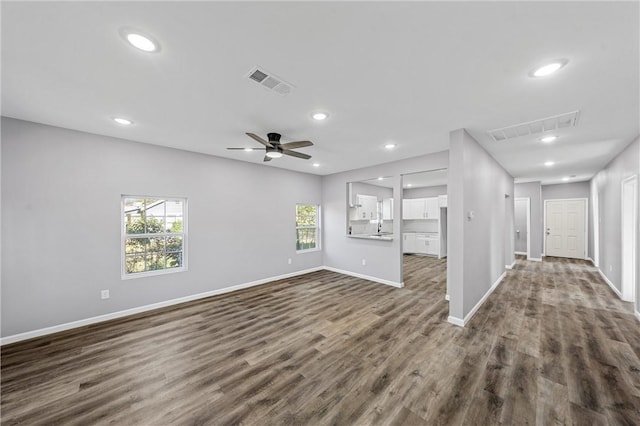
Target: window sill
[
  {"x": 308, "y": 250},
  {"x": 153, "y": 273}
]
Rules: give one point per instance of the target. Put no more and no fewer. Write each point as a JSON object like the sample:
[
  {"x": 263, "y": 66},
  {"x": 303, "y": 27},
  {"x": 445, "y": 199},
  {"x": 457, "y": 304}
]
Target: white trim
[
  {"x": 521, "y": 253},
  {"x": 535, "y": 259},
  {"x": 528, "y": 200},
  {"x": 365, "y": 277},
  {"x": 633, "y": 180},
  {"x": 586, "y": 224},
  {"x": 446, "y": 297},
  {"x": 455, "y": 321},
  {"x": 119, "y": 314},
  {"x": 467, "y": 318},
  {"x": 510, "y": 266},
  {"x": 638, "y": 315},
  {"x": 615, "y": 290},
  {"x": 593, "y": 262}
]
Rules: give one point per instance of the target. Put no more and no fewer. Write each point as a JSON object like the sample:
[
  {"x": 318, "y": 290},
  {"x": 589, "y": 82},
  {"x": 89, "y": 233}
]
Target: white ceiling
[{"x": 404, "y": 72}]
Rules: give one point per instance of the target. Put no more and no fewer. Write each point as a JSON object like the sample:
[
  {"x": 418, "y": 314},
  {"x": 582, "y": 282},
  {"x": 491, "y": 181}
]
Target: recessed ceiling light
[
  {"x": 409, "y": 185},
  {"x": 316, "y": 164},
  {"x": 320, "y": 116},
  {"x": 390, "y": 146},
  {"x": 380, "y": 178},
  {"x": 548, "y": 139},
  {"x": 140, "y": 41},
  {"x": 549, "y": 163},
  {"x": 565, "y": 179},
  {"x": 549, "y": 68},
  {"x": 123, "y": 121},
  {"x": 248, "y": 149}
]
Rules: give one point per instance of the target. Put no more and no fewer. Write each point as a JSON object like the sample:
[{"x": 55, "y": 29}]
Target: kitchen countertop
[{"x": 383, "y": 237}]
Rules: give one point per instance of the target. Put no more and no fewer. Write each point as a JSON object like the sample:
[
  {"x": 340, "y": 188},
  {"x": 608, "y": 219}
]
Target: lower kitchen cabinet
[{"x": 421, "y": 243}]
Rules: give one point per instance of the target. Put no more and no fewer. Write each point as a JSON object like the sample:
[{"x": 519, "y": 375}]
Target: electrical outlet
[
  {"x": 364, "y": 262},
  {"x": 289, "y": 261},
  {"x": 104, "y": 294}
]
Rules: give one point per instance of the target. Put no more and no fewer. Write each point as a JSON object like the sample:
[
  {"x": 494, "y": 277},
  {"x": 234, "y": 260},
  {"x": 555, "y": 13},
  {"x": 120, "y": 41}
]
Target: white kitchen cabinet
[
  {"x": 420, "y": 243},
  {"x": 366, "y": 208},
  {"x": 409, "y": 243},
  {"x": 432, "y": 208},
  {"x": 387, "y": 209},
  {"x": 413, "y": 208},
  {"x": 420, "y": 208}
]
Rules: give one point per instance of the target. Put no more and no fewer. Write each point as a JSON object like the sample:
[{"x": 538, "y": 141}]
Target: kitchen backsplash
[
  {"x": 364, "y": 227},
  {"x": 420, "y": 226}
]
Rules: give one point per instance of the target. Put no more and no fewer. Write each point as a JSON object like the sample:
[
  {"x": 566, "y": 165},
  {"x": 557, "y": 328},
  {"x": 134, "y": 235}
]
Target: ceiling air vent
[
  {"x": 270, "y": 81},
  {"x": 543, "y": 125}
]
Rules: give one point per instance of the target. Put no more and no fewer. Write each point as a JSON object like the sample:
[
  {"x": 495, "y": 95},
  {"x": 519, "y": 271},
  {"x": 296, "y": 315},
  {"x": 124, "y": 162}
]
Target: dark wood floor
[{"x": 552, "y": 345}]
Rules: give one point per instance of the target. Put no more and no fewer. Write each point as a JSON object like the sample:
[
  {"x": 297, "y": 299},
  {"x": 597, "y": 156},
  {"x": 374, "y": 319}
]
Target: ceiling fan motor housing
[{"x": 274, "y": 138}]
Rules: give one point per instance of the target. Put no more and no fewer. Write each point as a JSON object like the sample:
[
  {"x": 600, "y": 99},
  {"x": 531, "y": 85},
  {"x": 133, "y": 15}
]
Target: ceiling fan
[{"x": 274, "y": 149}]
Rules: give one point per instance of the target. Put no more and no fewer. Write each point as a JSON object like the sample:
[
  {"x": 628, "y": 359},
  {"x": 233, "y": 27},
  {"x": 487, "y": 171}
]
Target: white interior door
[
  {"x": 566, "y": 227},
  {"x": 521, "y": 221},
  {"x": 629, "y": 232}
]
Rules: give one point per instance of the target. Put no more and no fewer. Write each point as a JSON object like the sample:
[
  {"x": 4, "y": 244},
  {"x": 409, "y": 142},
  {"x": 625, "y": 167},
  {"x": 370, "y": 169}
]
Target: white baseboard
[
  {"x": 365, "y": 277},
  {"x": 521, "y": 253},
  {"x": 456, "y": 321},
  {"x": 446, "y": 297},
  {"x": 638, "y": 315},
  {"x": 592, "y": 261},
  {"x": 467, "y": 318},
  {"x": 535, "y": 259},
  {"x": 606, "y": 280},
  {"x": 119, "y": 314},
  {"x": 510, "y": 266}
]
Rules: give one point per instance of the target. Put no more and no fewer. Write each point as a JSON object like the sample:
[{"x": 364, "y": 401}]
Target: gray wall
[
  {"x": 479, "y": 248},
  {"x": 61, "y": 222},
  {"x": 427, "y": 191},
  {"x": 608, "y": 184},
  {"x": 566, "y": 190},
  {"x": 571, "y": 190},
  {"x": 383, "y": 258},
  {"x": 533, "y": 191}
]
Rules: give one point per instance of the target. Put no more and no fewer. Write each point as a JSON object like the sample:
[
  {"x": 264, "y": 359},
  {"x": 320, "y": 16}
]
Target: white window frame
[
  {"x": 124, "y": 235},
  {"x": 318, "y": 246}
]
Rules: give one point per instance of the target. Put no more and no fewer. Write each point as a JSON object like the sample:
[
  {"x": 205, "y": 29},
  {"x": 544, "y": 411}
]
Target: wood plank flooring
[{"x": 552, "y": 345}]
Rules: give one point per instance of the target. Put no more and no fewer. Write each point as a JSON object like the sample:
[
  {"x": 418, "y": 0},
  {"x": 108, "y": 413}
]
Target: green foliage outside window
[{"x": 306, "y": 227}]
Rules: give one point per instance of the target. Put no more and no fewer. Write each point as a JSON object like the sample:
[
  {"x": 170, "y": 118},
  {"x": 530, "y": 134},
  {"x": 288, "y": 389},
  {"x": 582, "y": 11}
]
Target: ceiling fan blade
[
  {"x": 259, "y": 139},
  {"x": 297, "y": 144},
  {"x": 296, "y": 154},
  {"x": 266, "y": 158},
  {"x": 246, "y": 149}
]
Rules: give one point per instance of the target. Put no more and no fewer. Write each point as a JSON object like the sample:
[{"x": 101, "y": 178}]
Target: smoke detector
[{"x": 270, "y": 81}]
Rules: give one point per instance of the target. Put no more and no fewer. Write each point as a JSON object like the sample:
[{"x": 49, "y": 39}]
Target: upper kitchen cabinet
[
  {"x": 365, "y": 208},
  {"x": 387, "y": 209},
  {"x": 420, "y": 208}
]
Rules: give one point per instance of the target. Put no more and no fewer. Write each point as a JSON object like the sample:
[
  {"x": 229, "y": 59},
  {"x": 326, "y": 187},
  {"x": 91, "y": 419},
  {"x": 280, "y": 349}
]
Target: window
[
  {"x": 307, "y": 227},
  {"x": 154, "y": 232}
]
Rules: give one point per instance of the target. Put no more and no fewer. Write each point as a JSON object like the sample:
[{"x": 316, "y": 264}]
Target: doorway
[
  {"x": 522, "y": 222},
  {"x": 565, "y": 228},
  {"x": 629, "y": 233}
]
